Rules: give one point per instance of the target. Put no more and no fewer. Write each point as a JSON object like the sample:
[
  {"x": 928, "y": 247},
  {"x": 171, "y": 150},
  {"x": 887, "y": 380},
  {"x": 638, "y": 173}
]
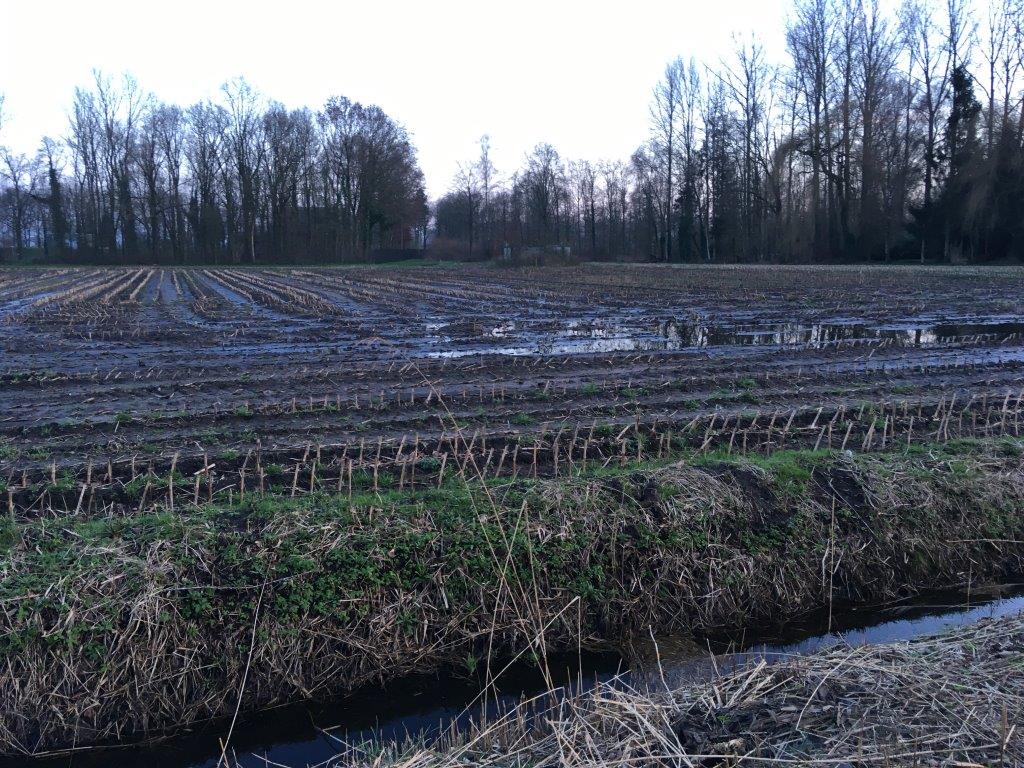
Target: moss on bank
[{"x": 125, "y": 625}]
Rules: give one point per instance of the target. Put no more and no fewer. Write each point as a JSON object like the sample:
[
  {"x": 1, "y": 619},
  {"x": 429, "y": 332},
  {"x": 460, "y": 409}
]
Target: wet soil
[{"x": 214, "y": 364}]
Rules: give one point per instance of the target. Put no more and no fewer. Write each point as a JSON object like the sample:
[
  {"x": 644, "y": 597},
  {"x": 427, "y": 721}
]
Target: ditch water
[{"x": 310, "y": 734}]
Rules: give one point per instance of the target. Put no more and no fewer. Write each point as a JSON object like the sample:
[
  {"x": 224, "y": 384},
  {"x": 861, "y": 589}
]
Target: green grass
[
  {"x": 429, "y": 464},
  {"x": 8, "y": 451},
  {"x": 63, "y": 483},
  {"x": 791, "y": 469},
  {"x": 135, "y": 488}
]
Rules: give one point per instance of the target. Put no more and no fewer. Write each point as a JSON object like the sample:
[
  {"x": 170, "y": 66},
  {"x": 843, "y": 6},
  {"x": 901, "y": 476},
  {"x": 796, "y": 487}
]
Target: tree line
[
  {"x": 879, "y": 137},
  {"x": 236, "y": 180}
]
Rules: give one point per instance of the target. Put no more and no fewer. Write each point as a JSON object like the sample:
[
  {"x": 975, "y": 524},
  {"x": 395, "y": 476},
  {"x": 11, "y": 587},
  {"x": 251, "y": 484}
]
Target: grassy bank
[{"x": 118, "y": 627}]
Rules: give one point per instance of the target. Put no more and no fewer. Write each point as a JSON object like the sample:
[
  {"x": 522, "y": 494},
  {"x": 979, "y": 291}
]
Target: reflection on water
[
  {"x": 579, "y": 337},
  {"x": 312, "y": 733},
  {"x": 684, "y": 334},
  {"x": 14, "y": 306},
  {"x": 920, "y": 617}
]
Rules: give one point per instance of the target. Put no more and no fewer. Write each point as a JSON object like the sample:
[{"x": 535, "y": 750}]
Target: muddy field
[
  {"x": 118, "y": 383},
  {"x": 230, "y": 489}
]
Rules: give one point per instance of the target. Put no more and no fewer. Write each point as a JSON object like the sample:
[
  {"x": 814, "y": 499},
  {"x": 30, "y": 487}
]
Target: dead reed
[{"x": 956, "y": 699}]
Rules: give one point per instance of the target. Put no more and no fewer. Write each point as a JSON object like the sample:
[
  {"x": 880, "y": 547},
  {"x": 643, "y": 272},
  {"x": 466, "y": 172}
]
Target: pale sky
[{"x": 576, "y": 74}]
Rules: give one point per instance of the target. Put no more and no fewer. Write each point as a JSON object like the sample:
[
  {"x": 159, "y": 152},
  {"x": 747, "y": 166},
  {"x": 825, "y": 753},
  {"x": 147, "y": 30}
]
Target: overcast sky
[{"x": 576, "y": 74}]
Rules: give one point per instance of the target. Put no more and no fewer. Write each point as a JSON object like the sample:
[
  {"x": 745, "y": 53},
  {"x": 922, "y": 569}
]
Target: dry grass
[{"x": 951, "y": 700}]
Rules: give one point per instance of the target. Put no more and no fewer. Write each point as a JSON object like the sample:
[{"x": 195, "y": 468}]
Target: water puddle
[
  {"x": 823, "y": 334},
  {"x": 14, "y": 306},
  {"x": 310, "y": 734},
  {"x": 634, "y": 335}
]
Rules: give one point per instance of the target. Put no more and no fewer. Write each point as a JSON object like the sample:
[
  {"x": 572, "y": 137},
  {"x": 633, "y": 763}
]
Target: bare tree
[
  {"x": 19, "y": 171},
  {"x": 246, "y": 152},
  {"x": 485, "y": 172},
  {"x": 811, "y": 39},
  {"x": 50, "y": 153},
  {"x": 876, "y": 51},
  {"x": 665, "y": 114},
  {"x": 468, "y": 185},
  {"x": 748, "y": 84},
  {"x": 931, "y": 62}
]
